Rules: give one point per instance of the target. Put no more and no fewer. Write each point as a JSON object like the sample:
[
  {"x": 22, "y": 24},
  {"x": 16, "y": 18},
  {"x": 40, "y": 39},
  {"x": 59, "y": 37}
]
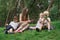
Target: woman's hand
[{"x": 29, "y": 20}]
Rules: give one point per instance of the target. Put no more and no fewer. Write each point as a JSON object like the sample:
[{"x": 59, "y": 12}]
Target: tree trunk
[{"x": 50, "y": 5}]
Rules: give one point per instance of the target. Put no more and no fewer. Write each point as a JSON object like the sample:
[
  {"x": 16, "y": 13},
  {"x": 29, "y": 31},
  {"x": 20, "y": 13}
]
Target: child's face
[
  {"x": 41, "y": 15},
  {"x": 15, "y": 20}
]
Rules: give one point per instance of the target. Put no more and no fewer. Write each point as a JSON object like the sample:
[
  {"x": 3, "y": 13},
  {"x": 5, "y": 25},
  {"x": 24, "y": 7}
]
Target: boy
[{"x": 12, "y": 25}]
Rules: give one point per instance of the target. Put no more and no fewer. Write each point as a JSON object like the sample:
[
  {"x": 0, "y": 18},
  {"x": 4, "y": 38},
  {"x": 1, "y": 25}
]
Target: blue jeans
[{"x": 8, "y": 27}]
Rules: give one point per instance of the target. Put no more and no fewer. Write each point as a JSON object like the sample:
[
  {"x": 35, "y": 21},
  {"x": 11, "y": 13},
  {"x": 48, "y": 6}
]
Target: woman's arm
[
  {"x": 20, "y": 18},
  {"x": 28, "y": 17}
]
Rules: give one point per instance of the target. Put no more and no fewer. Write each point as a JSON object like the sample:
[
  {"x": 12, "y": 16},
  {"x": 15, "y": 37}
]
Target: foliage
[{"x": 34, "y": 10}]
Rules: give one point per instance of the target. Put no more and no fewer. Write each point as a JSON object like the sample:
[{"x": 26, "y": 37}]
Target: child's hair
[
  {"x": 41, "y": 14},
  {"x": 25, "y": 14},
  {"x": 15, "y": 18},
  {"x": 46, "y": 13}
]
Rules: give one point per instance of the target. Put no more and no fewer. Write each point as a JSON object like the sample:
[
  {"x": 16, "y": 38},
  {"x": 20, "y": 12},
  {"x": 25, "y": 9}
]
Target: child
[
  {"x": 43, "y": 21},
  {"x": 39, "y": 23},
  {"x": 47, "y": 20},
  {"x": 12, "y": 25}
]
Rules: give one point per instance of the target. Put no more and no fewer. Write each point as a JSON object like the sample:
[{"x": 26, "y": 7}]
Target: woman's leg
[
  {"x": 21, "y": 26},
  {"x": 24, "y": 28}
]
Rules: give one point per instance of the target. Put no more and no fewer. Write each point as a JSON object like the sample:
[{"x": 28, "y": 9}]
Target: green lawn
[{"x": 33, "y": 35}]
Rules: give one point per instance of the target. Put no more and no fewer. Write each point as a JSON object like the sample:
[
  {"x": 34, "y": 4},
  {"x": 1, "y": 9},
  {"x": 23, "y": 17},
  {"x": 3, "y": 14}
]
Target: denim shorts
[{"x": 8, "y": 27}]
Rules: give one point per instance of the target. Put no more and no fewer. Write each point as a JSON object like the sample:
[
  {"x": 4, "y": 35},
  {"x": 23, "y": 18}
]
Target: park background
[{"x": 9, "y": 8}]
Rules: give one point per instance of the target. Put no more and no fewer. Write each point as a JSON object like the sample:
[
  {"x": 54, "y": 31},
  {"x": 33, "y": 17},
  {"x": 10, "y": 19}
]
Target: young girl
[
  {"x": 47, "y": 20},
  {"x": 39, "y": 23},
  {"x": 12, "y": 25},
  {"x": 24, "y": 20}
]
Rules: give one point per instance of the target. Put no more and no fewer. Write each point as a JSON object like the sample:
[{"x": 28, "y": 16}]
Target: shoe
[
  {"x": 6, "y": 32},
  {"x": 37, "y": 30}
]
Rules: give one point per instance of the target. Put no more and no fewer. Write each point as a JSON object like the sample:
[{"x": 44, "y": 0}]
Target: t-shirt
[{"x": 14, "y": 24}]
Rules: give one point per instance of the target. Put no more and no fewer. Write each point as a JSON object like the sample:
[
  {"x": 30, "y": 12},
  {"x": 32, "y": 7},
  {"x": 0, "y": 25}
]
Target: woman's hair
[{"x": 24, "y": 13}]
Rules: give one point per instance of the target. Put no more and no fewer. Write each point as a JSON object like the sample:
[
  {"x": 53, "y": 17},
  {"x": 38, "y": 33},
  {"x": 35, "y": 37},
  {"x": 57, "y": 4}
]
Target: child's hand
[{"x": 6, "y": 24}]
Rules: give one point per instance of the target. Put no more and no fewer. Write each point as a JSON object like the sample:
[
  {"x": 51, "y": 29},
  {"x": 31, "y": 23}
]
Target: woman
[{"x": 24, "y": 20}]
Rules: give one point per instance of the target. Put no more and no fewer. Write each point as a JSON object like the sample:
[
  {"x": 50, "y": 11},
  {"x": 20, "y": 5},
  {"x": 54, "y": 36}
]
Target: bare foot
[{"x": 19, "y": 31}]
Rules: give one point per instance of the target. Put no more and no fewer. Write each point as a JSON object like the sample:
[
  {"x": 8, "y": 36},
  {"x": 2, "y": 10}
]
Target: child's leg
[
  {"x": 7, "y": 29},
  {"x": 39, "y": 28},
  {"x": 10, "y": 30},
  {"x": 48, "y": 24},
  {"x": 32, "y": 28},
  {"x": 41, "y": 25}
]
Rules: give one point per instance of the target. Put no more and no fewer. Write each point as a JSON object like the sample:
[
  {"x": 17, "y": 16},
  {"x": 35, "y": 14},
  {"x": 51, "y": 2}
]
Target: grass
[{"x": 33, "y": 35}]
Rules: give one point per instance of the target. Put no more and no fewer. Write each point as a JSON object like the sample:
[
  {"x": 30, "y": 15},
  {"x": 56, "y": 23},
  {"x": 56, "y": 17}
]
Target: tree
[{"x": 50, "y": 4}]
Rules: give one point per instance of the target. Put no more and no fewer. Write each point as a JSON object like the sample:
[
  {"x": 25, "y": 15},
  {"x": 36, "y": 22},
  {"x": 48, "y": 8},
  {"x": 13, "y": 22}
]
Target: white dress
[{"x": 38, "y": 23}]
